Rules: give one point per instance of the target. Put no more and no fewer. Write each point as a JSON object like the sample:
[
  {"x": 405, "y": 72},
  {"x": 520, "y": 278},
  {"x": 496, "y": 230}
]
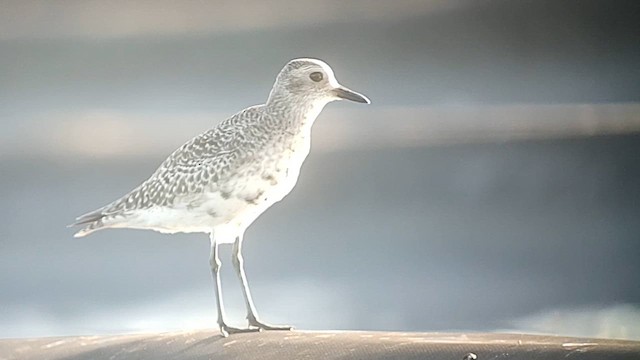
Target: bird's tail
[{"x": 92, "y": 221}]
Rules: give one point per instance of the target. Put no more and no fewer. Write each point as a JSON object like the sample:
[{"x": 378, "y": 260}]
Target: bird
[{"x": 222, "y": 180}]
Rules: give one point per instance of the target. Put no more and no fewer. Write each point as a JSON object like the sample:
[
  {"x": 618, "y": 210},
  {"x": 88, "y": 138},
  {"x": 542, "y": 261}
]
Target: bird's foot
[
  {"x": 263, "y": 326},
  {"x": 225, "y": 330}
]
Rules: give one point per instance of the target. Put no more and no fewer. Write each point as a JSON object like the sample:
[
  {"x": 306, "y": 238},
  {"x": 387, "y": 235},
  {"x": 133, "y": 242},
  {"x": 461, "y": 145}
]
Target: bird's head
[{"x": 312, "y": 80}]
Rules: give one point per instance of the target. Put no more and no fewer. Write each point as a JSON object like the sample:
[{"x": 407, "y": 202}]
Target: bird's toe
[
  {"x": 264, "y": 326},
  {"x": 226, "y": 330}
]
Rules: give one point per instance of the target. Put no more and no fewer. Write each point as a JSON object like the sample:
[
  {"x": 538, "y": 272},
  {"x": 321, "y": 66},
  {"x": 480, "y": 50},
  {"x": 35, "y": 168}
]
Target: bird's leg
[
  {"x": 252, "y": 314},
  {"x": 215, "y": 263}
]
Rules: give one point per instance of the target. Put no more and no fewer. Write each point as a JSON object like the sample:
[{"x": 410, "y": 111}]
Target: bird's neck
[{"x": 295, "y": 114}]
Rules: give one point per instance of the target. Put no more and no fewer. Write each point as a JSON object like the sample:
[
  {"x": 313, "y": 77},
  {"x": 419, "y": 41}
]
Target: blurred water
[{"x": 453, "y": 237}]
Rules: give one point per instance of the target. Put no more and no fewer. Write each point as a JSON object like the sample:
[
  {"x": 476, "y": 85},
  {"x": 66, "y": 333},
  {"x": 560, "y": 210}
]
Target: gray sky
[{"x": 124, "y": 19}]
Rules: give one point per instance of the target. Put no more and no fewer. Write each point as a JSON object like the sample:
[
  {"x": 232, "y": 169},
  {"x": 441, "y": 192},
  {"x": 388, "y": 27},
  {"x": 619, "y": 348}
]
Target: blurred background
[{"x": 491, "y": 186}]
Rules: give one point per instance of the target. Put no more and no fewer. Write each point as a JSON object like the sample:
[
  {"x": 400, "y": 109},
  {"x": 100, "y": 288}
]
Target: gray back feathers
[{"x": 198, "y": 165}]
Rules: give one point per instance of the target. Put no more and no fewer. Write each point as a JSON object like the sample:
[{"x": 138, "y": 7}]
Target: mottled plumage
[
  {"x": 220, "y": 181},
  {"x": 207, "y": 164}
]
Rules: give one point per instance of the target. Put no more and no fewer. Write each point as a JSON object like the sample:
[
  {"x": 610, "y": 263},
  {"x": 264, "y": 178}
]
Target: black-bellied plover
[{"x": 220, "y": 181}]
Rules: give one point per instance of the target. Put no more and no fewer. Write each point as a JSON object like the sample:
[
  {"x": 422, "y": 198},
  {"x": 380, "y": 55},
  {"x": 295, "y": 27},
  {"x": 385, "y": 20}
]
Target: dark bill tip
[{"x": 347, "y": 94}]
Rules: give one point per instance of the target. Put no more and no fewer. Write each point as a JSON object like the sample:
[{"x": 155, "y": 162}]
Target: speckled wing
[{"x": 202, "y": 163}]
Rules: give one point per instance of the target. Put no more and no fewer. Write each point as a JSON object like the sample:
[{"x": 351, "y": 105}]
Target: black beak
[{"x": 347, "y": 94}]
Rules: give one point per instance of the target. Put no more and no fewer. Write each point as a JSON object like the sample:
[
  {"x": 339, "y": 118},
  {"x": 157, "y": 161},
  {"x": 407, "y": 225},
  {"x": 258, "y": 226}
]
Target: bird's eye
[{"x": 316, "y": 76}]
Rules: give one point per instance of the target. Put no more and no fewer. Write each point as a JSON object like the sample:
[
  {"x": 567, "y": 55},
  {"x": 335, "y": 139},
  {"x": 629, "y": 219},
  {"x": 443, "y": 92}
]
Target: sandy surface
[{"x": 317, "y": 345}]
